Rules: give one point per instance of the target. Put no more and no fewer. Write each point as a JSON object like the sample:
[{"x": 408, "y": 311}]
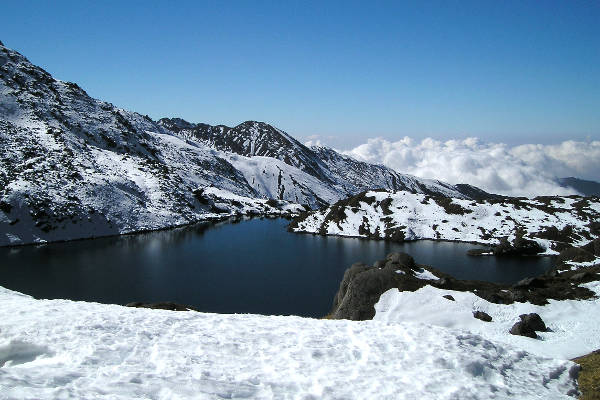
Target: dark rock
[
  {"x": 519, "y": 329},
  {"x": 402, "y": 259},
  {"x": 482, "y": 316},
  {"x": 520, "y": 247},
  {"x": 529, "y": 324},
  {"x": 479, "y": 252},
  {"x": 534, "y": 321},
  {"x": 530, "y": 282},
  {"x": 593, "y": 247},
  {"x": 579, "y": 276},
  {"x": 361, "y": 292},
  {"x": 362, "y": 286},
  {"x": 449, "y": 297},
  {"x": 166, "y": 305},
  {"x": 560, "y": 246},
  {"x": 575, "y": 254}
]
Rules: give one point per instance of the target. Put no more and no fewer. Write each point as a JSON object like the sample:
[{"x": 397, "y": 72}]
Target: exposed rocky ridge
[
  {"x": 515, "y": 226},
  {"x": 72, "y": 166},
  {"x": 363, "y": 285}
]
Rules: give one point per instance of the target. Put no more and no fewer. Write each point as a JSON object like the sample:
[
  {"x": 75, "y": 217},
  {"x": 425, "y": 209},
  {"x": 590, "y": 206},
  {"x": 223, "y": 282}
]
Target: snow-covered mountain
[
  {"x": 515, "y": 226},
  {"x": 345, "y": 175},
  {"x": 72, "y": 166}
]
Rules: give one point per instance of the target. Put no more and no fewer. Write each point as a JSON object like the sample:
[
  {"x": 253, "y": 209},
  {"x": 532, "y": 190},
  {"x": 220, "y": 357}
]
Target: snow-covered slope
[
  {"x": 573, "y": 324},
  {"x": 72, "y": 166},
  {"x": 250, "y": 138},
  {"x": 335, "y": 176},
  {"x": 552, "y": 222},
  {"x": 64, "y": 349}
]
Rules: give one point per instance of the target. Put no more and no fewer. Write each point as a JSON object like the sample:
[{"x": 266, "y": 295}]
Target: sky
[
  {"x": 340, "y": 72},
  {"x": 504, "y": 95}
]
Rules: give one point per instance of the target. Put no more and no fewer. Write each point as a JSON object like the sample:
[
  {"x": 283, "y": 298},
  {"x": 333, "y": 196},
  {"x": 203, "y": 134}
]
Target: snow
[
  {"x": 427, "y": 275},
  {"x": 573, "y": 324},
  {"x": 483, "y": 221},
  {"x": 66, "y": 349}
]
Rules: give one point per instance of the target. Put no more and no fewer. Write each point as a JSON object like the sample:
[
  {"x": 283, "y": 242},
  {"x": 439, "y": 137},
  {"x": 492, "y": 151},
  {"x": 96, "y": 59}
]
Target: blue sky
[{"x": 504, "y": 71}]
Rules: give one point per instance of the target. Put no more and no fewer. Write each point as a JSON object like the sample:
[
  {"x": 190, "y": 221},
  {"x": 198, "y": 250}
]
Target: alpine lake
[{"x": 253, "y": 266}]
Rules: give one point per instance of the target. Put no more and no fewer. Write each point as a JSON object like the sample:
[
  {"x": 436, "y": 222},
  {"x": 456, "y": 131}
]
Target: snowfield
[
  {"x": 574, "y": 328},
  {"x": 65, "y": 349},
  {"x": 381, "y": 214}
]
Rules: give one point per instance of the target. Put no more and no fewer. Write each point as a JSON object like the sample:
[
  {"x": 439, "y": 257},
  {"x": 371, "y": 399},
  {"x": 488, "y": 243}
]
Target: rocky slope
[
  {"x": 544, "y": 225},
  {"x": 72, "y": 166},
  {"x": 363, "y": 285}
]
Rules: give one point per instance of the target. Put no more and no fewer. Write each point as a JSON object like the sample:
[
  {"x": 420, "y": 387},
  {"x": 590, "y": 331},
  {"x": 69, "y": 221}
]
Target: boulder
[
  {"x": 482, "y": 316},
  {"x": 528, "y": 325}
]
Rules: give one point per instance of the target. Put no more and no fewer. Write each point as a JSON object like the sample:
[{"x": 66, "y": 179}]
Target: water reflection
[{"x": 255, "y": 266}]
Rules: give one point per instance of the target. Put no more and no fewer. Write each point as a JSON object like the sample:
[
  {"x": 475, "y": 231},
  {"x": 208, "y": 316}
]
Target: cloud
[
  {"x": 524, "y": 170},
  {"x": 315, "y": 140}
]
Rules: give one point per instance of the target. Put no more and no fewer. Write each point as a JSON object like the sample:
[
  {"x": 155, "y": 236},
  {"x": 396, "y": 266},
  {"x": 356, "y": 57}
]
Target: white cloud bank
[{"x": 524, "y": 170}]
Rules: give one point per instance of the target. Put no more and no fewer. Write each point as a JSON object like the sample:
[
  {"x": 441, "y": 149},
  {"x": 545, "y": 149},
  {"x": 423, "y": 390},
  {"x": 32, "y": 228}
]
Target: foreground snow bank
[
  {"x": 573, "y": 324},
  {"x": 60, "y": 348}
]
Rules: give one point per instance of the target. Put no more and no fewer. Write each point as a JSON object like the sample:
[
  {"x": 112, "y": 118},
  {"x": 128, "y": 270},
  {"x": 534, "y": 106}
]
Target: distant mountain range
[
  {"x": 587, "y": 188},
  {"x": 72, "y": 166}
]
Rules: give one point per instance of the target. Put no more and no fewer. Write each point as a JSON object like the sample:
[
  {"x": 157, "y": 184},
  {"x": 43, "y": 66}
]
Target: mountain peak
[
  {"x": 256, "y": 124},
  {"x": 175, "y": 124}
]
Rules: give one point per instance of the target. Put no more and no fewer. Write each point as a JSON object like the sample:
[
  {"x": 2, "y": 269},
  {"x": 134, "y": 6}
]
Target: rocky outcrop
[
  {"x": 362, "y": 286},
  {"x": 519, "y": 247}
]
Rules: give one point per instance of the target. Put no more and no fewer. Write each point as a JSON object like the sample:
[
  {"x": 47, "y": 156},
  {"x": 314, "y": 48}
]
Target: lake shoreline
[{"x": 235, "y": 218}]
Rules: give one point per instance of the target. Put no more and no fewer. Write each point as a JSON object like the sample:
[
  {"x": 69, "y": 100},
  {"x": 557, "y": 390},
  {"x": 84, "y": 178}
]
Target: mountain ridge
[
  {"x": 585, "y": 187},
  {"x": 72, "y": 166}
]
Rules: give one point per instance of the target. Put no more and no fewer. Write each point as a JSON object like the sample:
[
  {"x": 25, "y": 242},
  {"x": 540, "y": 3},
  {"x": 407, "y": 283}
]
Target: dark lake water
[{"x": 255, "y": 266}]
